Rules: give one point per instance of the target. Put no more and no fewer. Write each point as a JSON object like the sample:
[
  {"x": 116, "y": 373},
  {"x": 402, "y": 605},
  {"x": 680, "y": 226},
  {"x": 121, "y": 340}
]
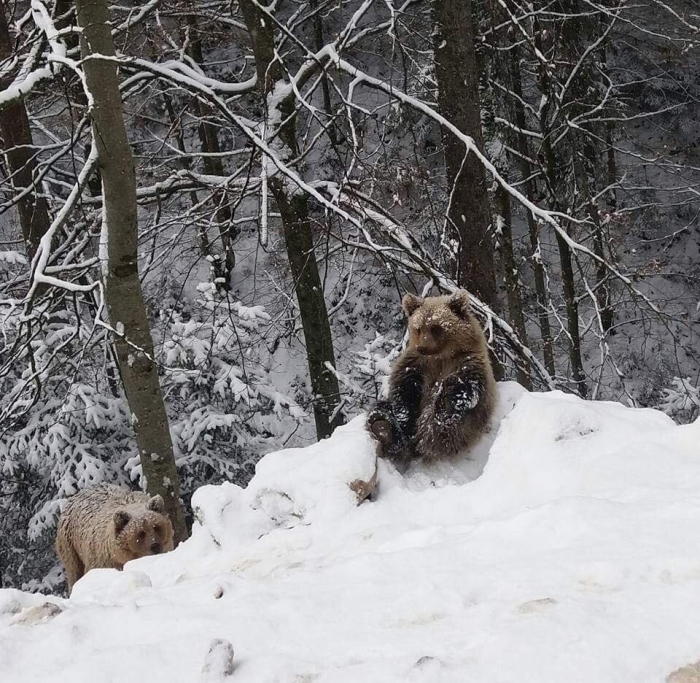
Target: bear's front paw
[
  {"x": 457, "y": 396},
  {"x": 379, "y": 426},
  {"x": 444, "y": 395}
]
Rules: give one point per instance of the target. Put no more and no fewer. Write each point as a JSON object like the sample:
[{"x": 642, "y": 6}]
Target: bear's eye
[
  {"x": 141, "y": 535},
  {"x": 436, "y": 330},
  {"x": 157, "y": 528}
]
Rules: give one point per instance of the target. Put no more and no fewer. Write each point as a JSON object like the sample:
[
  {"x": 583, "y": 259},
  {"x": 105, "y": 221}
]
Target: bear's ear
[
  {"x": 121, "y": 519},
  {"x": 458, "y": 303},
  {"x": 156, "y": 504},
  {"x": 411, "y": 303}
]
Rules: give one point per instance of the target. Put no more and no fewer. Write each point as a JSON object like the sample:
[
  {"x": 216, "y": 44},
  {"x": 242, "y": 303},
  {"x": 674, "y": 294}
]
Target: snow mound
[
  {"x": 304, "y": 485},
  {"x": 564, "y": 548}
]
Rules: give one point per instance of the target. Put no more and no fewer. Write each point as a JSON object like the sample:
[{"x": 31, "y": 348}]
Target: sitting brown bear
[
  {"x": 106, "y": 526},
  {"x": 441, "y": 390}
]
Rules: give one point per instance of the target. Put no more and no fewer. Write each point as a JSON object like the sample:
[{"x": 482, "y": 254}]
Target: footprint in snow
[
  {"x": 537, "y": 606},
  {"x": 218, "y": 663},
  {"x": 426, "y": 668}
]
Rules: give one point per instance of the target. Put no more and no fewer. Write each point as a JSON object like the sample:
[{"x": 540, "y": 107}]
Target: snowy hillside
[{"x": 573, "y": 557}]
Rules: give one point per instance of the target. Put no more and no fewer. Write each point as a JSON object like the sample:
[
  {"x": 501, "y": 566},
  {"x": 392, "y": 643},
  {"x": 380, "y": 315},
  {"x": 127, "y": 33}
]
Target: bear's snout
[
  {"x": 156, "y": 548},
  {"x": 427, "y": 350}
]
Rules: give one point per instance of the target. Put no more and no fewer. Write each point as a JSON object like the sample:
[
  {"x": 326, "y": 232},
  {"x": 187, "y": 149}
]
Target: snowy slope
[{"x": 573, "y": 557}]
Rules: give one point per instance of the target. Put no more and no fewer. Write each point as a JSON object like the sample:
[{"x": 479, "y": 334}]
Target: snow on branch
[{"x": 43, "y": 252}]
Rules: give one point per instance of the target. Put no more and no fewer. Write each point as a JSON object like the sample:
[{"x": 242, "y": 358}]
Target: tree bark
[
  {"x": 602, "y": 290},
  {"x": 510, "y": 275},
  {"x": 611, "y": 166},
  {"x": 20, "y": 154},
  {"x": 125, "y": 304},
  {"x": 213, "y": 165},
  {"x": 298, "y": 235},
  {"x": 552, "y": 174},
  {"x": 469, "y": 216},
  {"x": 532, "y": 228},
  {"x": 319, "y": 42}
]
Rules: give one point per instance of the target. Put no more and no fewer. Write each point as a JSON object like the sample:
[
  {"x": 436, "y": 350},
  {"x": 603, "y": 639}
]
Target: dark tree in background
[
  {"x": 468, "y": 217},
  {"x": 297, "y": 229},
  {"x": 20, "y": 153}
]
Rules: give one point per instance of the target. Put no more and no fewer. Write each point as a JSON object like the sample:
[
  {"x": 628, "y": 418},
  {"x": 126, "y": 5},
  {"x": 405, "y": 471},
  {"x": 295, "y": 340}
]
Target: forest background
[{"x": 281, "y": 174}]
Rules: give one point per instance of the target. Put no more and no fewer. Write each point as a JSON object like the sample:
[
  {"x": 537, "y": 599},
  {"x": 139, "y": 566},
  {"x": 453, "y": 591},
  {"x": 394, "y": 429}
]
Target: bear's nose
[{"x": 155, "y": 548}]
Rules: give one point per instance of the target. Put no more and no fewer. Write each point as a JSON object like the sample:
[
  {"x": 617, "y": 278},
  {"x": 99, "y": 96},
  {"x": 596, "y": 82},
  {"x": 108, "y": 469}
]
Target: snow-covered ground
[{"x": 566, "y": 550}]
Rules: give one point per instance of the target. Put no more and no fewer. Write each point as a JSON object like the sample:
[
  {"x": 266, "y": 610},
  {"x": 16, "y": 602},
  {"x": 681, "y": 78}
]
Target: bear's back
[{"x": 98, "y": 502}]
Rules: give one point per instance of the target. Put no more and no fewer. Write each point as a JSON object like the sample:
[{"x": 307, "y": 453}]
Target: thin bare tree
[
  {"x": 122, "y": 287},
  {"x": 297, "y": 227}
]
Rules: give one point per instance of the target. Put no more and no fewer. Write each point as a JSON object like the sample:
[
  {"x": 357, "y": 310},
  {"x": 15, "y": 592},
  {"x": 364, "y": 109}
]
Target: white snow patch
[
  {"x": 13, "y": 257},
  {"x": 564, "y": 550},
  {"x": 109, "y": 586}
]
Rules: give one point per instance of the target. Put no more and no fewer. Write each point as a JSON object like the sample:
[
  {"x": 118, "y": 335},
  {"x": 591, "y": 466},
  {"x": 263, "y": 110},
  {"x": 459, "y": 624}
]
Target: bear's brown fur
[
  {"x": 442, "y": 392},
  {"x": 106, "y": 526}
]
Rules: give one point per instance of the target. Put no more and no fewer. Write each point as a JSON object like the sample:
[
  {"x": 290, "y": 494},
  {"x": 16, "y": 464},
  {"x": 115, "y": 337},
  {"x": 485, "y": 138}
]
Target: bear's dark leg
[
  {"x": 406, "y": 391},
  {"x": 393, "y": 423}
]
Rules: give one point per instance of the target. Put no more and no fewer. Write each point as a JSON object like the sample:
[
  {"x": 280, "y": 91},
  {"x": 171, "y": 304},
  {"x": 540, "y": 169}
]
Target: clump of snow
[
  {"x": 12, "y": 257},
  {"x": 37, "y": 614},
  {"x": 13, "y": 602},
  {"x": 564, "y": 549}
]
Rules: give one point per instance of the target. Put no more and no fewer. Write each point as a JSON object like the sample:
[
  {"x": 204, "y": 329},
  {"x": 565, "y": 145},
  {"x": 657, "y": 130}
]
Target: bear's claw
[{"x": 381, "y": 430}]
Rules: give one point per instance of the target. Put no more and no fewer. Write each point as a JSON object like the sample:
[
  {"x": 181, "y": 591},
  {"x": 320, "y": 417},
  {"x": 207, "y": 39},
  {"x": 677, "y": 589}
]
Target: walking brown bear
[{"x": 107, "y": 526}]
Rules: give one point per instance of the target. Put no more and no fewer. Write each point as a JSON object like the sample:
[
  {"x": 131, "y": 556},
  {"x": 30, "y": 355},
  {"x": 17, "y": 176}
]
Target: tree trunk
[
  {"x": 125, "y": 304},
  {"x": 296, "y": 224},
  {"x": 532, "y": 228},
  {"x": 213, "y": 165},
  {"x": 319, "y": 42},
  {"x": 510, "y": 275},
  {"x": 298, "y": 238},
  {"x": 20, "y": 153},
  {"x": 552, "y": 174},
  {"x": 602, "y": 290},
  {"x": 611, "y": 166},
  {"x": 567, "y": 276},
  {"x": 568, "y": 283},
  {"x": 469, "y": 217}
]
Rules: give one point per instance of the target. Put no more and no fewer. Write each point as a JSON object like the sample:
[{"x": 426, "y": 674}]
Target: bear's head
[
  {"x": 442, "y": 325},
  {"x": 143, "y": 529}
]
